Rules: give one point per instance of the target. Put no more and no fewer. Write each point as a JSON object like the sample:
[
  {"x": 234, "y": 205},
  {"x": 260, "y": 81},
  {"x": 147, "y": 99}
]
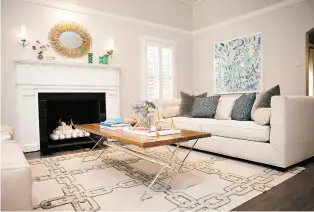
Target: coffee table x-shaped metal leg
[{"x": 173, "y": 163}]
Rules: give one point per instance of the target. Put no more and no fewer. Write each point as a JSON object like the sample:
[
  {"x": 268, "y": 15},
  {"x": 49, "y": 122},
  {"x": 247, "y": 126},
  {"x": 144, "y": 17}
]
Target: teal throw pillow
[
  {"x": 205, "y": 107},
  {"x": 242, "y": 107}
]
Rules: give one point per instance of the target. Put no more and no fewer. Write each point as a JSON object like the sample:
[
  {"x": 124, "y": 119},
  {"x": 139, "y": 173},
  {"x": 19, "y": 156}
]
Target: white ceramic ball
[
  {"x": 81, "y": 134},
  {"x": 55, "y": 137},
  {"x": 68, "y": 136},
  {"x": 86, "y": 134},
  {"x": 57, "y": 132},
  {"x": 74, "y": 135},
  {"x": 76, "y": 130},
  {"x": 60, "y": 128},
  {"x": 62, "y": 123},
  {"x": 62, "y": 136}
]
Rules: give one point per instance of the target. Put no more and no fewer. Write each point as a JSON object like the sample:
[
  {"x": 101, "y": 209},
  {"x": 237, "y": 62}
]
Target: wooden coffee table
[{"x": 172, "y": 164}]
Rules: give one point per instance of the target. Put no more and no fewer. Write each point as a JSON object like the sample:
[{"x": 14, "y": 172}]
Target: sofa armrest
[
  {"x": 292, "y": 127},
  {"x": 161, "y": 104}
]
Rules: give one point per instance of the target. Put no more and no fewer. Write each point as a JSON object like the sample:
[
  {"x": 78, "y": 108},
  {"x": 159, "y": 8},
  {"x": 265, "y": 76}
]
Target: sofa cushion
[
  {"x": 205, "y": 107},
  {"x": 247, "y": 130},
  {"x": 262, "y": 116},
  {"x": 263, "y": 99},
  {"x": 242, "y": 107},
  {"x": 187, "y": 102},
  {"x": 224, "y": 108},
  {"x": 171, "y": 111},
  {"x": 7, "y": 133},
  {"x": 12, "y": 156}
]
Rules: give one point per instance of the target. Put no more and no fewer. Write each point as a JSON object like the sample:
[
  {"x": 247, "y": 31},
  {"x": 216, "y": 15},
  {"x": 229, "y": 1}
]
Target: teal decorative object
[
  {"x": 101, "y": 59},
  {"x": 106, "y": 59},
  {"x": 90, "y": 58}
]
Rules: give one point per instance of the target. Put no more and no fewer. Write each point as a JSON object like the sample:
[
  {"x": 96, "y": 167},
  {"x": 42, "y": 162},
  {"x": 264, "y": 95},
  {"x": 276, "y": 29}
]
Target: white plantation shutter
[{"x": 159, "y": 70}]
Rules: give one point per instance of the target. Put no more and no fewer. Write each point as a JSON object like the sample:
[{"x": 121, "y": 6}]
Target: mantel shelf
[{"x": 65, "y": 63}]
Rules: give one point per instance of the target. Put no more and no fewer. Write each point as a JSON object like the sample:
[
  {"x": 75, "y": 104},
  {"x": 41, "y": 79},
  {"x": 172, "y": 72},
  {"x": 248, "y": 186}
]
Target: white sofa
[
  {"x": 16, "y": 179},
  {"x": 288, "y": 139}
]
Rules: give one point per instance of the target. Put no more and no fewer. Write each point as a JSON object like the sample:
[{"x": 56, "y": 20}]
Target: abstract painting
[{"x": 237, "y": 65}]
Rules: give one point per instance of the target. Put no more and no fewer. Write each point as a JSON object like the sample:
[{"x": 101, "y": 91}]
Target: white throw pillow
[
  {"x": 224, "y": 108},
  {"x": 262, "y": 116},
  {"x": 171, "y": 111}
]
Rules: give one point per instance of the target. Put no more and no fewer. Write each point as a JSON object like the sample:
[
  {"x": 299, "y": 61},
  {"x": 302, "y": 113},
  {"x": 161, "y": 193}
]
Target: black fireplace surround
[{"x": 81, "y": 108}]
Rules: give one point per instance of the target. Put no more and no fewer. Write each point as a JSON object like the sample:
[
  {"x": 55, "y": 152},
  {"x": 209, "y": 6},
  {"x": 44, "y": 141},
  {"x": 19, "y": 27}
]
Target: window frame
[{"x": 145, "y": 40}]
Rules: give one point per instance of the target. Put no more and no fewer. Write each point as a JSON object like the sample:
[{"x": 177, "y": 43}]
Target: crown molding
[
  {"x": 256, "y": 13},
  {"x": 187, "y": 2},
  {"x": 99, "y": 13},
  {"x": 198, "y": 2}
]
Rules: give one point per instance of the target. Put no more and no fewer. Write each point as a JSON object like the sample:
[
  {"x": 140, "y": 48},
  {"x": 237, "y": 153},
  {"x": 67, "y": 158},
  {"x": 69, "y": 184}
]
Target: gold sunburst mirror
[{"x": 70, "y": 39}]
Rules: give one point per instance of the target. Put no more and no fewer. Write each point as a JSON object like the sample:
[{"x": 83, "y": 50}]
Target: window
[{"x": 159, "y": 70}]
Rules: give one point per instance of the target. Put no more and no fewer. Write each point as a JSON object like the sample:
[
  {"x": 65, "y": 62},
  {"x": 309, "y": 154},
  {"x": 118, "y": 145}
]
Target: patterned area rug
[{"x": 116, "y": 181}]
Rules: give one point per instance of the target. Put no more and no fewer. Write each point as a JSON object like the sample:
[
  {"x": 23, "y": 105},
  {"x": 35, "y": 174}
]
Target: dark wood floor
[{"x": 295, "y": 194}]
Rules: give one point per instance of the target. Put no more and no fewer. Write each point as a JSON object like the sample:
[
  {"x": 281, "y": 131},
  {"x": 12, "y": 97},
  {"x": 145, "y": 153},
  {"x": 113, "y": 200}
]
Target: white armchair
[{"x": 16, "y": 178}]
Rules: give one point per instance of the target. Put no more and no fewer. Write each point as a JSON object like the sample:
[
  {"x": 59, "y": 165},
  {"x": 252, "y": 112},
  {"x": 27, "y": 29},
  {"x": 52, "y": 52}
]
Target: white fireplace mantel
[{"x": 33, "y": 77}]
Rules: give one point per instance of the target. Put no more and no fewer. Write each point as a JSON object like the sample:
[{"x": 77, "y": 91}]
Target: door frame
[{"x": 307, "y": 54}]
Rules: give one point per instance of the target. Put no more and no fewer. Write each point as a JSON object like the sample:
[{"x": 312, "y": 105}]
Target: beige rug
[{"x": 116, "y": 181}]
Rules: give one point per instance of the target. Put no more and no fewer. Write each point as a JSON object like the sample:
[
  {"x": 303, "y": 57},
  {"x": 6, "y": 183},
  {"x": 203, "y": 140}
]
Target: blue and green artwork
[{"x": 237, "y": 65}]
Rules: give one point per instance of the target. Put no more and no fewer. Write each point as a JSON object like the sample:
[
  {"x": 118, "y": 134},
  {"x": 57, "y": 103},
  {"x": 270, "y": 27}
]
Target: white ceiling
[{"x": 191, "y": 2}]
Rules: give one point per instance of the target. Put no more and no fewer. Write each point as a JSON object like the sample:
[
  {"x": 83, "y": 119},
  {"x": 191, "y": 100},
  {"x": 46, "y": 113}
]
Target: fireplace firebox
[{"x": 59, "y": 112}]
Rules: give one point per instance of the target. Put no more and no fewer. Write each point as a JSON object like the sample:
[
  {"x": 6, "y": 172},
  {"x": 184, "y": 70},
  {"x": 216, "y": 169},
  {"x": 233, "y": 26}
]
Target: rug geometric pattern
[{"x": 116, "y": 181}]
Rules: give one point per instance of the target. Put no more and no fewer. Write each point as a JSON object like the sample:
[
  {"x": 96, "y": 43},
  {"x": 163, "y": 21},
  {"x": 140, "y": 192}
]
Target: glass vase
[{"x": 145, "y": 122}]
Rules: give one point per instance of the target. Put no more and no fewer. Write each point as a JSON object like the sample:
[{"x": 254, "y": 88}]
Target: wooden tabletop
[{"x": 141, "y": 140}]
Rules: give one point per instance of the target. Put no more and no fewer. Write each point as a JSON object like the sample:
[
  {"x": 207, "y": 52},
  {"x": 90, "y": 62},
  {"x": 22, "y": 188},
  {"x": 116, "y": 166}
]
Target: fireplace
[
  {"x": 78, "y": 79},
  {"x": 60, "y": 112}
]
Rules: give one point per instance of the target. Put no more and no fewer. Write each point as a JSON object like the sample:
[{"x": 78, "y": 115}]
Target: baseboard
[{"x": 31, "y": 147}]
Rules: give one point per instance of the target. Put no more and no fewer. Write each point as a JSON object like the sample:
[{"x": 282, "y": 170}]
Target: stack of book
[
  {"x": 152, "y": 132},
  {"x": 114, "y": 124}
]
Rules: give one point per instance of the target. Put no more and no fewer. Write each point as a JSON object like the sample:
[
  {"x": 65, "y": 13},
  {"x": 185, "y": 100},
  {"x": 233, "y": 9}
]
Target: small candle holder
[{"x": 90, "y": 57}]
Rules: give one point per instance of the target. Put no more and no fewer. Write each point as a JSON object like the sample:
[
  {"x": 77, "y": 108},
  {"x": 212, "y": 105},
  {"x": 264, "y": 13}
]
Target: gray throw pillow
[
  {"x": 263, "y": 99},
  {"x": 242, "y": 107},
  {"x": 187, "y": 101},
  {"x": 205, "y": 107}
]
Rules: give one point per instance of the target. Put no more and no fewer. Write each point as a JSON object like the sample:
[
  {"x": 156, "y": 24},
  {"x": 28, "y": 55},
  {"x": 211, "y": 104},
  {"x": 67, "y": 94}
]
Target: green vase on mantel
[
  {"x": 103, "y": 59},
  {"x": 90, "y": 58},
  {"x": 106, "y": 59}
]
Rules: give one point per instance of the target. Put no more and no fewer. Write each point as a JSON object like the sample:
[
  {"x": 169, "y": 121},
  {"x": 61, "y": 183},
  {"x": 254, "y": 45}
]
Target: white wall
[
  {"x": 283, "y": 45},
  {"x": 168, "y": 12},
  {"x": 210, "y": 12},
  {"x": 39, "y": 19}
]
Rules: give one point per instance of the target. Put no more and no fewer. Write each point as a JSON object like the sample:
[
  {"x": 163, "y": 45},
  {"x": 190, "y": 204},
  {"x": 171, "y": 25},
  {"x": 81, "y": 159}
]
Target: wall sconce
[
  {"x": 23, "y": 36},
  {"x": 110, "y": 47}
]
